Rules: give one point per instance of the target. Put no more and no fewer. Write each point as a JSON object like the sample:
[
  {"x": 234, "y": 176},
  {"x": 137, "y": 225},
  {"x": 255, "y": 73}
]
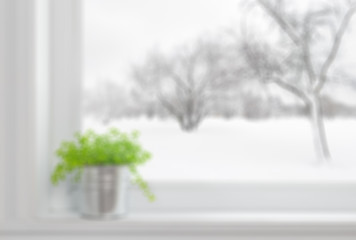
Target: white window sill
[{"x": 204, "y": 224}]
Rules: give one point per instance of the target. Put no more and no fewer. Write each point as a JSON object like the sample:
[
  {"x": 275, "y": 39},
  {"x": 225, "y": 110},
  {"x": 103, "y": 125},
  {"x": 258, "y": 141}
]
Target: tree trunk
[
  {"x": 187, "y": 124},
  {"x": 320, "y": 142}
]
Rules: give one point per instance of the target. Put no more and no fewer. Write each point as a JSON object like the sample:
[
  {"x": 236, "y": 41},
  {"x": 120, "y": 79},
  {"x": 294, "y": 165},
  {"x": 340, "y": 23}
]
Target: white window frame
[
  {"x": 40, "y": 99},
  {"x": 40, "y": 106}
]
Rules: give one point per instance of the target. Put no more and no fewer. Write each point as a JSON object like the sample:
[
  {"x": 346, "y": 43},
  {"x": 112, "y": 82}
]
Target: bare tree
[
  {"x": 300, "y": 61},
  {"x": 186, "y": 82}
]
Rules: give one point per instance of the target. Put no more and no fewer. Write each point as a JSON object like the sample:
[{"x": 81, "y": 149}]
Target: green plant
[{"x": 92, "y": 149}]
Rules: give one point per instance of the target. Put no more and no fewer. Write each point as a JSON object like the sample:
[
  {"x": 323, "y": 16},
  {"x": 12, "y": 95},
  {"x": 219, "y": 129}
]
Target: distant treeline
[{"x": 111, "y": 101}]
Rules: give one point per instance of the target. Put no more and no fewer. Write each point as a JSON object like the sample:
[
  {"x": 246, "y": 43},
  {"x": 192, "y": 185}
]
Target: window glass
[{"x": 226, "y": 90}]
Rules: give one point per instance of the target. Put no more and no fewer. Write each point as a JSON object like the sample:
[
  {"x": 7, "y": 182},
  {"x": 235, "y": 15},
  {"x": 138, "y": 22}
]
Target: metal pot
[{"x": 104, "y": 192}]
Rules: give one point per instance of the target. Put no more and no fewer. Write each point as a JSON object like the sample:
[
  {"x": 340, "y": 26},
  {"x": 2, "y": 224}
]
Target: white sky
[{"x": 121, "y": 32}]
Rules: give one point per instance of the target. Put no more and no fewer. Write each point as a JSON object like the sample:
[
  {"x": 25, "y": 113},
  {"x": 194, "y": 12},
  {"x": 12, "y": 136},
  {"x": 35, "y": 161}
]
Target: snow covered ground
[{"x": 241, "y": 150}]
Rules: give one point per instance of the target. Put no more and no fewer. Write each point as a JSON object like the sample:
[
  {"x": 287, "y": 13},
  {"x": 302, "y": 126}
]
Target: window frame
[{"x": 46, "y": 106}]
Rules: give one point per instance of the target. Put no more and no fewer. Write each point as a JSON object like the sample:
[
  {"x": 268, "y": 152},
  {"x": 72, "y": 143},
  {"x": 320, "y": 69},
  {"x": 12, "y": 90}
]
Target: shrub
[{"x": 108, "y": 149}]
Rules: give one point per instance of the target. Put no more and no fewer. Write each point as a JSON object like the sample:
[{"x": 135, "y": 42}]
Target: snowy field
[{"x": 240, "y": 150}]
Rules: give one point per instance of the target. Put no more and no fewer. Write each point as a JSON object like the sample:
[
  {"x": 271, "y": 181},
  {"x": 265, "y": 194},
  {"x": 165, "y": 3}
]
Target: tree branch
[
  {"x": 292, "y": 89},
  {"x": 334, "y": 49},
  {"x": 179, "y": 81},
  {"x": 170, "y": 107},
  {"x": 306, "y": 48},
  {"x": 282, "y": 23}
]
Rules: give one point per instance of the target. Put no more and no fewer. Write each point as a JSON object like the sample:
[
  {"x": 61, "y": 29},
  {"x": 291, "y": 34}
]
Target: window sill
[{"x": 204, "y": 224}]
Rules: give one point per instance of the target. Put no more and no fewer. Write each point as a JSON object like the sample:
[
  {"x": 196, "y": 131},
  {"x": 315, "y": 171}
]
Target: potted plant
[{"x": 102, "y": 163}]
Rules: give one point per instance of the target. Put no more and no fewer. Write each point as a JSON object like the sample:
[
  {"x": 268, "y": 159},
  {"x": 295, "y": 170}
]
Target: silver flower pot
[{"x": 104, "y": 192}]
